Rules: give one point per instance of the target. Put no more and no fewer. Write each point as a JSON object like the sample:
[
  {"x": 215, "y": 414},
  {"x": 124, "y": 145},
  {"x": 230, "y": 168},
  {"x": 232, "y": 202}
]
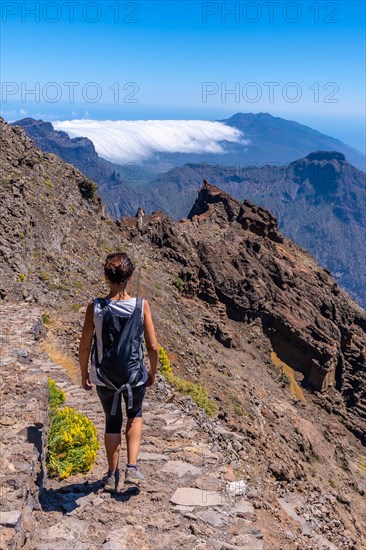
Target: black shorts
[{"x": 113, "y": 424}]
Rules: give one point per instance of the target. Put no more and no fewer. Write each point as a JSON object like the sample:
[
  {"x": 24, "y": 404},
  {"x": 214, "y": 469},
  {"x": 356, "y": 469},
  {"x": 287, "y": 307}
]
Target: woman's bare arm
[
  {"x": 151, "y": 343},
  {"x": 85, "y": 345}
]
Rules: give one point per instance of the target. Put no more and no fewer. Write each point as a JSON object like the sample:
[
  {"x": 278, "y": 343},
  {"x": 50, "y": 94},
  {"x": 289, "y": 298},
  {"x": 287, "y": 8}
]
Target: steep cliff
[
  {"x": 231, "y": 255},
  {"x": 53, "y": 224}
]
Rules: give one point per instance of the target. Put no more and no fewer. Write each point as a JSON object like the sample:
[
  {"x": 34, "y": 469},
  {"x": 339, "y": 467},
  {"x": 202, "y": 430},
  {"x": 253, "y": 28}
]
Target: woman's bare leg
[
  {"x": 112, "y": 447},
  {"x": 133, "y": 438}
]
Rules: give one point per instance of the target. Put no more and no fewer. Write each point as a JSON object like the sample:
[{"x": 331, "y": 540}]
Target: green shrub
[
  {"x": 46, "y": 318},
  {"x": 109, "y": 249},
  {"x": 56, "y": 396},
  {"x": 79, "y": 285},
  {"x": 88, "y": 189},
  {"x": 197, "y": 392},
  {"x": 43, "y": 276},
  {"x": 238, "y": 410},
  {"x": 53, "y": 287},
  {"x": 64, "y": 285},
  {"x": 21, "y": 277},
  {"x": 49, "y": 183},
  {"x": 179, "y": 284},
  {"x": 72, "y": 438}
]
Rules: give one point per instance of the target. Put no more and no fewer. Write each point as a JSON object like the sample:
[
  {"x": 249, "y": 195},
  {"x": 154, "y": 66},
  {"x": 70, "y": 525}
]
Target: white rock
[
  {"x": 236, "y": 487},
  {"x": 188, "y": 496},
  {"x": 220, "y": 430},
  {"x": 324, "y": 542},
  {"x": 236, "y": 445},
  {"x": 58, "y": 532},
  {"x": 10, "y": 519}
]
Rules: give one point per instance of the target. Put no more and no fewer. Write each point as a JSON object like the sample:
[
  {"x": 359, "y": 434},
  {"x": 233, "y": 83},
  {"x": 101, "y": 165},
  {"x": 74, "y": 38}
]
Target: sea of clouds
[{"x": 138, "y": 140}]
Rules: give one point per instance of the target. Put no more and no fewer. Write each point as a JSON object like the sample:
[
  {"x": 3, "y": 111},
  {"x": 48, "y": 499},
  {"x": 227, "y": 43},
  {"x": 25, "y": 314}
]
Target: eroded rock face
[
  {"x": 318, "y": 200},
  {"x": 53, "y": 225},
  {"x": 232, "y": 255}
]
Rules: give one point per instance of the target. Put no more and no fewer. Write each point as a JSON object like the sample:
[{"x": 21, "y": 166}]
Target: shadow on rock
[{"x": 73, "y": 498}]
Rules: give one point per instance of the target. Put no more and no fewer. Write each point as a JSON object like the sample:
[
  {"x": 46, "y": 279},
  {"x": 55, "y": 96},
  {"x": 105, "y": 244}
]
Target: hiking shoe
[
  {"x": 110, "y": 481},
  {"x": 133, "y": 476}
]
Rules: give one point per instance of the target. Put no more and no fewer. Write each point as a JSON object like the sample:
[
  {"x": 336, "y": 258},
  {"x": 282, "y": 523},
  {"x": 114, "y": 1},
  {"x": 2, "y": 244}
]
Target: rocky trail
[{"x": 192, "y": 498}]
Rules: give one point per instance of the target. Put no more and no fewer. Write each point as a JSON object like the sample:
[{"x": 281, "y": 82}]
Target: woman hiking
[{"x": 119, "y": 323}]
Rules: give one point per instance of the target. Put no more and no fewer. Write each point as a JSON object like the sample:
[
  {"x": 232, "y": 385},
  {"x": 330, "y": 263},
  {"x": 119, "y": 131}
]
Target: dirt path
[{"x": 186, "y": 502}]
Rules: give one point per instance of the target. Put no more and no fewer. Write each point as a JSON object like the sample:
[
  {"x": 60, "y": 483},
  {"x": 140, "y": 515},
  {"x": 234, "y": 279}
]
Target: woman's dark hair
[{"x": 118, "y": 268}]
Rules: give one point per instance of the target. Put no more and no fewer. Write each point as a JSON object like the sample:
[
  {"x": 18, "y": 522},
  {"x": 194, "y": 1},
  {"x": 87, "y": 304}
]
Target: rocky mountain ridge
[
  {"x": 232, "y": 256},
  {"x": 318, "y": 201}
]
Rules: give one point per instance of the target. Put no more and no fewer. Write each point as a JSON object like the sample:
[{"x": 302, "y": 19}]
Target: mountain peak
[
  {"x": 213, "y": 203},
  {"x": 326, "y": 155},
  {"x": 210, "y": 195},
  {"x": 71, "y": 150},
  {"x": 282, "y": 139},
  {"x": 29, "y": 121}
]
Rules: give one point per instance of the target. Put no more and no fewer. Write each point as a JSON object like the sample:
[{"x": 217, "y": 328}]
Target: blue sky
[{"x": 301, "y": 60}]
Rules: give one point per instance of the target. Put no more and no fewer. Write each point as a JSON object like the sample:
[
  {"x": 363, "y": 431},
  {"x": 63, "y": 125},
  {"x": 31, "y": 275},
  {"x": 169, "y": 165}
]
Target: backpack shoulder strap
[
  {"x": 102, "y": 301},
  {"x": 94, "y": 351}
]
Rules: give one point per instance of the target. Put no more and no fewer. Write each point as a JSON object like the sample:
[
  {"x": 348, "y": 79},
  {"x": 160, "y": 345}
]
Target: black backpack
[{"x": 122, "y": 364}]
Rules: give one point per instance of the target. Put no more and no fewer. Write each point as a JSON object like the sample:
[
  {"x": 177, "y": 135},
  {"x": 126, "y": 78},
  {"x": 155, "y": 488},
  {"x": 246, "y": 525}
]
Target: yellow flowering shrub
[
  {"x": 165, "y": 365},
  {"x": 72, "y": 440},
  {"x": 56, "y": 396},
  {"x": 197, "y": 392}
]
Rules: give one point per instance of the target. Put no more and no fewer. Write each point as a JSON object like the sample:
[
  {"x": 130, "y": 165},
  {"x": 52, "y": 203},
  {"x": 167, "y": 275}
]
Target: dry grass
[
  {"x": 361, "y": 462},
  {"x": 65, "y": 361}
]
